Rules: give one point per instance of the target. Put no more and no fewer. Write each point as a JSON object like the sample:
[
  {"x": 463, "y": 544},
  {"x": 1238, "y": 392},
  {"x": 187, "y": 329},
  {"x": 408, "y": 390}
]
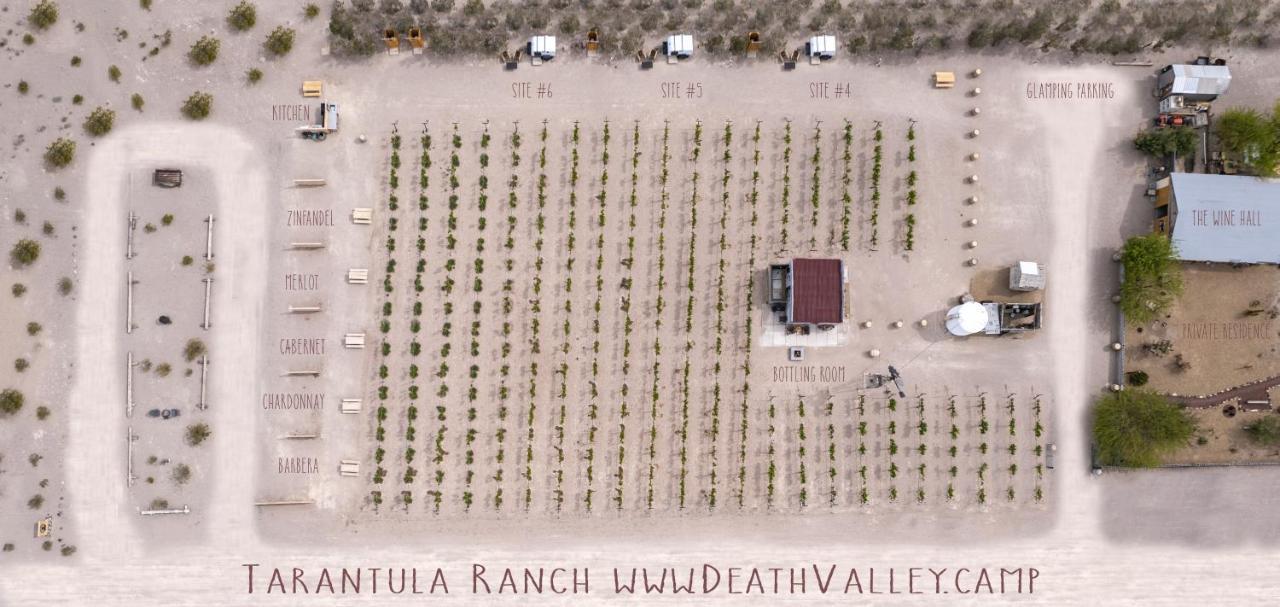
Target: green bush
[
  {"x": 100, "y": 121},
  {"x": 1137, "y": 378},
  {"x": 137, "y": 101},
  {"x": 23, "y": 87},
  {"x": 311, "y": 11},
  {"x": 204, "y": 51},
  {"x": 1152, "y": 278},
  {"x": 280, "y": 41},
  {"x": 24, "y": 253},
  {"x": 1134, "y": 428},
  {"x": 113, "y": 73},
  {"x": 198, "y": 105},
  {"x": 43, "y": 14},
  {"x": 11, "y": 401},
  {"x": 253, "y": 75},
  {"x": 1179, "y": 140},
  {"x": 243, "y": 16}
]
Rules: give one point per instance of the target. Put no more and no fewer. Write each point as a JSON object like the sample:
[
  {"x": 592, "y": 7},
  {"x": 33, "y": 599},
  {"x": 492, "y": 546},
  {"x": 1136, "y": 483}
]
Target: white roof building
[
  {"x": 1194, "y": 82},
  {"x": 1223, "y": 218},
  {"x": 967, "y": 318}
]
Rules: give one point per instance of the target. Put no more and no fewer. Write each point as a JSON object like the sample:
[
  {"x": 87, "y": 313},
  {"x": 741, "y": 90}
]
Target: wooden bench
[
  {"x": 312, "y": 88},
  {"x": 944, "y": 80}
]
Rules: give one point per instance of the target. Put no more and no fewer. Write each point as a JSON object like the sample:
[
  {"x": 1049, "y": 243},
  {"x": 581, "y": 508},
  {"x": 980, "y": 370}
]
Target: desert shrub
[
  {"x": 21, "y": 364},
  {"x": 35, "y": 502},
  {"x": 42, "y": 413},
  {"x": 569, "y": 24},
  {"x": 18, "y": 289},
  {"x": 242, "y": 16},
  {"x": 60, "y": 153},
  {"x": 198, "y": 105},
  {"x": 253, "y": 75},
  {"x": 47, "y": 229},
  {"x": 34, "y": 328},
  {"x": 24, "y": 252},
  {"x": 280, "y": 41},
  {"x": 64, "y": 286},
  {"x": 75, "y": 61},
  {"x": 197, "y": 433},
  {"x": 100, "y": 121},
  {"x": 43, "y": 15},
  {"x": 113, "y": 73},
  {"x": 163, "y": 369},
  {"x": 11, "y": 401},
  {"x": 181, "y": 474},
  {"x": 77, "y": 99},
  {"x": 1152, "y": 278},
  {"x": 193, "y": 350},
  {"x": 311, "y": 11},
  {"x": 187, "y": 260},
  {"x": 137, "y": 101},
  {"x": 1134, "y": 428},
  {"x": 204, "y": 51},
  {"x": 1264, "y": 431},
  {"x": 23, "y": 87}
]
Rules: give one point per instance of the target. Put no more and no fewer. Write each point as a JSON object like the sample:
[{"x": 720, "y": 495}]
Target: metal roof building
[
  {"x": 1194, "y": 82},
  {"x": 817, "y": 292},
  {"x": 1222, "y": 218}
]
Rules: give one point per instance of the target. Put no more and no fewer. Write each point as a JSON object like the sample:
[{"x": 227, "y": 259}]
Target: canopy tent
[
  {"x": 966, "y": 319},
  {"x": 823, "y": 47},
  {"x": 543, "y": 47},
  {"x": 679, "y": 45}
]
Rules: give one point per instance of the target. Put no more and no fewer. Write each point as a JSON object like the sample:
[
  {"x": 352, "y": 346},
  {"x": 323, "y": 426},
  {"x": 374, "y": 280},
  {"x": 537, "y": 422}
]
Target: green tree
[
  {"x": 43, "y": 14},
  {"x": 205, "y": 50},
  {"x": 1252, "y": 135},
  {"x": 61, "y": 152},
  {"x": 280, "y": 41},
  {"x": 1152, "y": 278},
  {"x": 1264, "y": 431},
  {"x": 1179, "y": 140},
  {"x": 243, "y": 16},
  {"x": 1135, "y": 428},
  {"x": 24, "y": 252},
  {"x": 198, "y": 105},
  {"x": 100, "y": 121},
  {"x": 11, "y": 401}
]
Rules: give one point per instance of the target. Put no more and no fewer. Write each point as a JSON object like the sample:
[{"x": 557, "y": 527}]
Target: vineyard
[{"x": 567, "y": 321}]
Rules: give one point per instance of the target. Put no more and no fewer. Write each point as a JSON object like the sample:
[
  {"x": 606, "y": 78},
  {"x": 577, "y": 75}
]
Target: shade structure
[
  {"x": 966, "y": 319},
  {"x": 822, "y": 46},
  {"x": 543, "y": 46},
  {"x": 680, "y": 45}
]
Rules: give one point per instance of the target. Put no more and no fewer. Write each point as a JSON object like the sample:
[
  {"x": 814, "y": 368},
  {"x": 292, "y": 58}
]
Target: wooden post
[
  {"x": 133, "y": 225},
  {"x": 128, "y": 320},
  {"x": 128, "y": 387},
  {"x": 204, "y": 372},
  {"x": 130, "y": 438},
  {"x": 208, "y": 284},
  {"x": 208, "y": 245}
]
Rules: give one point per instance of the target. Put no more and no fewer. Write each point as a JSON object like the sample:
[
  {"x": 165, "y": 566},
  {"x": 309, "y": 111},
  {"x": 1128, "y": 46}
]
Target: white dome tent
[{"x": 966, "y": 319}]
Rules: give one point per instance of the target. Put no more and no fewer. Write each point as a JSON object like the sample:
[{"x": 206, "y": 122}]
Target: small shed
[
  {"x": 1193, "y": 82},
  {"x": 816, "y": 293},
  {"x": 1026, "y": 276},
  {"x": 822, "y": 47},
  {"x": 542, "y": 47},
  {"x": 679, "y": 46}
]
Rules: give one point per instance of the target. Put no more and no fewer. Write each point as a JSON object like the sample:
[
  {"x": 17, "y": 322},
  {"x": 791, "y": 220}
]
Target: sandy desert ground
[{"x": 1045, "y": 167}]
